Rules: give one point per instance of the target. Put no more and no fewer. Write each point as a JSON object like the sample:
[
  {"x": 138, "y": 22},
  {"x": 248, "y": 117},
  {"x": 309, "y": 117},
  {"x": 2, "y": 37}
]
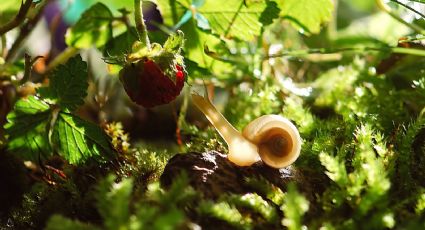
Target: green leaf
[
  {"x": 270, "y": 13},
  {"x": 236, "y": 20},
  {"x": 170, "y": 11},
  {"x": 93, "y": 28},
  {"x": 306, "y": 14},
  {"x": 121, "y": 44},
  {"x": 194, "y": 48},
  {"x": 8, "y": 10},
  {"x": 68, "y": 84},
  {"x": 77, "y": 140},
  {"x": 26, "y": 129},
  {"x": 174, "y": 42},
  {"x": 31, "y": 136},
  {"x": 31, "y": 105},
  {"x": 194, "y": 69},
  {"x": 58, "y": 222}
]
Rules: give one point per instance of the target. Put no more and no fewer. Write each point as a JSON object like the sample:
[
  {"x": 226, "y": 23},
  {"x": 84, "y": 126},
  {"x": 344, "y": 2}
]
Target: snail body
[{"x": 271, "y": 138}]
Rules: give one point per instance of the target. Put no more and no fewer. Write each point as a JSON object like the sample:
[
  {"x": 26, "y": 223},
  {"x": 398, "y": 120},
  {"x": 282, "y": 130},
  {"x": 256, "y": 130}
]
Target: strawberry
[
  {"x": 148, "y": 85},
  {"x": 154, "y": 75}
]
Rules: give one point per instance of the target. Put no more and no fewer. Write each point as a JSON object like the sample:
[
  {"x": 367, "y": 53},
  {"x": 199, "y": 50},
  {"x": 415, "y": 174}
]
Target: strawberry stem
[{"x": 140, "y": 24}]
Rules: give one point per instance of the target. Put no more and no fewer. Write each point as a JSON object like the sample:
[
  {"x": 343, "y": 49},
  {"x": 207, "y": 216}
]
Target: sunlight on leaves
[
  {"x": 237, "y": 20},
  {"x": 93, "y": 28},
  {"x": 77, "y": 140},
  {"x": 306, "y": 15},
  {"x": 26, "y": 129}
]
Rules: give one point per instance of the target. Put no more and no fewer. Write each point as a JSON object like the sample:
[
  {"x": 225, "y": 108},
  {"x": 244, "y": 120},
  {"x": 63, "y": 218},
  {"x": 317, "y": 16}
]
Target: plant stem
[
  {"x": 3, "y": 46},
  {"x": 332, "y": 26},
  {"x": 140, "y": 23},
  {"x": 18, "y": 19},
  {"x": 28, "y": 67},
  {"x": 29, "y": 62},
  {"x": 384, "y": 7},
  {"x": 298, "y": 53}
]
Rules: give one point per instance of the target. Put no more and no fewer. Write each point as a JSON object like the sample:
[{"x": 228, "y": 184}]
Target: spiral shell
[{"x": 277, "y": 139}]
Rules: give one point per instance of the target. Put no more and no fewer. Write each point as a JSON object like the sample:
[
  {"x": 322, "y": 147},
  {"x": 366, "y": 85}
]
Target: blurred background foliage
[{"x": 349, "y": 74}]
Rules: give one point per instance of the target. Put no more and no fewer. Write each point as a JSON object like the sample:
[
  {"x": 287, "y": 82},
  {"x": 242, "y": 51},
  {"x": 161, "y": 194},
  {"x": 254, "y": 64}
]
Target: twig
[
  {"x": 25, "y": 31},
  {"x": 28, "y": 67},
  {"x": 18, "y": 19}
]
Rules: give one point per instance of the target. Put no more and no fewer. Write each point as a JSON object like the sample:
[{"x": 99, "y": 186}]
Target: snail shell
[
  {"x": 277, "y": 139},
  {"x": 272, "y": 138}
]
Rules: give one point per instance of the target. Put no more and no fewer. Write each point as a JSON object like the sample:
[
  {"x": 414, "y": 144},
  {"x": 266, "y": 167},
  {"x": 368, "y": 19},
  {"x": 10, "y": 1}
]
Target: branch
[
  {"x": 25, "y": 31},
  {"x": 29, "y": 62},
  {"x": 19, "y": 18}
]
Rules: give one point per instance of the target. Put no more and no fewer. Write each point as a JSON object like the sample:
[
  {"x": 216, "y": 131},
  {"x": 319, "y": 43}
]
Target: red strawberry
[{"x": 148, "y": 85}]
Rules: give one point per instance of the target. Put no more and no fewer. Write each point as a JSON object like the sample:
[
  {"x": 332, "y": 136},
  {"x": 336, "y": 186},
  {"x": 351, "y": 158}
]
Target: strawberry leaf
[
  {"x": 77, "y": 140},
  {"x": 26, "y": 129},
  {"x": 236, "y": 20},
  {"x": 68, "y": 84},
  {"x": 306, "y": 14}
]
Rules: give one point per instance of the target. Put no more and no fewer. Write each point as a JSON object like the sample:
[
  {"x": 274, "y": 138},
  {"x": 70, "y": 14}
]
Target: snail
[{"x": 271, "y": 138}]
